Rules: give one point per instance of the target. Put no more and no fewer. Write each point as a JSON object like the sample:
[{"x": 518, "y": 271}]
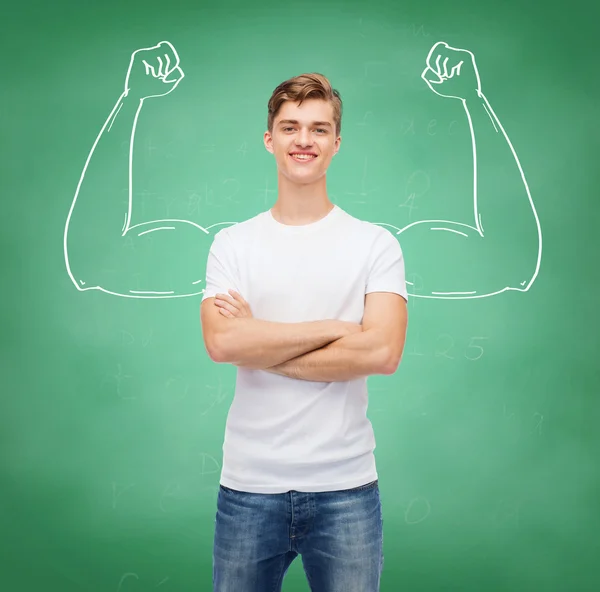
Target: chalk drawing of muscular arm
[
  {"x": 160, "y": 259},
  {"x": 501, "y": 248},
  {"x": 103, "y": 250}
]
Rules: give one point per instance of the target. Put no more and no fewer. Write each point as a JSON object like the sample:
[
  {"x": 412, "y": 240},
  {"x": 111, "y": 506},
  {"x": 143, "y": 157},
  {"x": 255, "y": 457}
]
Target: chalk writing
[
  {"x": 268, "y": 193},
  {"x": 474, "y": 349},
  {"x": 364, "y": 193},
  {"x": 418, "y": 509},
  {"x": 172, "y": 490},
  {"x": 417, "y": 186},
  {"x": 364, "y": 121},
  {"x": 210, "y": 465},
  {"x": 177, "y": 388},
  {"x": 119, "y": 379},
  {"x": 232, "y": 188},
  {"x": 118, "y": 491},
  {"x": 217, "y": 397},
  {"x": 447, "y": 347},
  {"x": 131, "y": 574},
  {"x": 128, "y": 339}
]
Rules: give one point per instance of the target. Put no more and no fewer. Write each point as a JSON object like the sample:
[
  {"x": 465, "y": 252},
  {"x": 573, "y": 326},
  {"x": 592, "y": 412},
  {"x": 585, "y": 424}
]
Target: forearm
[
  {"x": 500, "y": 190},
  {"x": 100, "y": 209},
  {"x": 257, "y": 344},
  {"x": 348, "y": 358},
  {"x": 101, "y": 205}
]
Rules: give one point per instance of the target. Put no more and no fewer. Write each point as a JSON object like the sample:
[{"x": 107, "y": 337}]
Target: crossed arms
[{"x": 321, "y": 351}]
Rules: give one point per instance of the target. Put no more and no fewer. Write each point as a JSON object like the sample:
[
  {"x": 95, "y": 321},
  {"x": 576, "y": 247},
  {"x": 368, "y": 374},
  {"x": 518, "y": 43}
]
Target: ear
[
  {"x": 268, "y": 140},
  {"x": 336, "y": 146}
]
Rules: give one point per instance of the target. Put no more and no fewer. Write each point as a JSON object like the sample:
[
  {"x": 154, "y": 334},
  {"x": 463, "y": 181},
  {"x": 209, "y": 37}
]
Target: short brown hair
[{"x": 305, "y": 86}]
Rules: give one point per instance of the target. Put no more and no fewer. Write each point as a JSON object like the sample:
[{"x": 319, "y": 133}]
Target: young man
[
  {"x": 318, "y": 304},
  {"x": 307, "y": 301}
]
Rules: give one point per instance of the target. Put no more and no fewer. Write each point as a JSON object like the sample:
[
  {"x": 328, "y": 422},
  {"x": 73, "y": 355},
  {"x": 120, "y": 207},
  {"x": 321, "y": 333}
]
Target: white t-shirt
[{"x": 286, "y": 434}]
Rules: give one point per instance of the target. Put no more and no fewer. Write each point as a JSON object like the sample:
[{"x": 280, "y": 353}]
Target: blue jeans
[{"x": 338, "y": 534}]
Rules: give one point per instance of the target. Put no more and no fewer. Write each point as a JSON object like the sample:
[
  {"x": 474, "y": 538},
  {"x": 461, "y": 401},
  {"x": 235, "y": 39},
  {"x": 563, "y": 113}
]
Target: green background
[{"x": 112, "y": 414}]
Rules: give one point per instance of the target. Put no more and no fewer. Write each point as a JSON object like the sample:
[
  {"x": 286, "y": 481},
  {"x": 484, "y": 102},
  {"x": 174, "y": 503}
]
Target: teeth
[{"x": 303, "y": 156}]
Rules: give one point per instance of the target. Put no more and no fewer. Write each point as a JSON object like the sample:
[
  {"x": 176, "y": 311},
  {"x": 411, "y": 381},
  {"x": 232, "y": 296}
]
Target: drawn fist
[
  {"x": 452, "y": 72},
  {"x": 153, "y": 71}
]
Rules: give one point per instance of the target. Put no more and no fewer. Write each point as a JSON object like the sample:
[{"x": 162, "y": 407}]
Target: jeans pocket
[{"x": 364, "y": 487}]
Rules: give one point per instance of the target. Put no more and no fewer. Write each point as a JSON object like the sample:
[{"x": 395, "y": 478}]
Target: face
[{"x": 309, "y": 130}]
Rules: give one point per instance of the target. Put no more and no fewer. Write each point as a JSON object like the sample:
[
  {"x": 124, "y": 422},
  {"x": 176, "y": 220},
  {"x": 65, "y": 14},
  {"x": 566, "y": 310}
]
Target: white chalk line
[{"x": 440, "y": 71}]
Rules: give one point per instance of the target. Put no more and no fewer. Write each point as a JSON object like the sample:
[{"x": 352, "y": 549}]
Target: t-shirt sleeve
[
  {"x": 386, "y": 266},
  {"x": 221, "y": 267}
]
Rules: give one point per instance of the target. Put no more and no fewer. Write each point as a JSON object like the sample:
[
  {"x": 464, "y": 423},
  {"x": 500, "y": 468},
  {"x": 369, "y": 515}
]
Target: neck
[{"x": 299, "y": 204}]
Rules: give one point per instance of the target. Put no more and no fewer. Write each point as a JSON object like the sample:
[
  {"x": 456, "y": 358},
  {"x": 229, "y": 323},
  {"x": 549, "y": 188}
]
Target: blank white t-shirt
[{"x": 286, "y": 434}]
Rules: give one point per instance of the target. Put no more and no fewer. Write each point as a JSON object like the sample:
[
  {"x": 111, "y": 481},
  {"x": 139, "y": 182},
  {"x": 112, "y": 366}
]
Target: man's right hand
[{"x": 153, "y": 72}]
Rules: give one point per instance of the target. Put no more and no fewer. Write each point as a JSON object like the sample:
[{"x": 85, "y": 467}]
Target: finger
[
  {"x": 225, "y": 306},
  {"x": 160, "y": 67},
  {"x": 177, "y": 75},
  {"x": 230, "y": 297},
  {"x": 149, "y": 68},
  {"x": 431, "y": 76},
  {"x": 438, "y": 68},
  {"x": 167, "y": 48},
  {"x": 436, "y": 48},
  {"x": 167, "y": 68},
  {"x": 445, "y": 68},
  {"x": 223, "y": 299},
  {"x": 456, "y": 69},
  {"x": 225, "y": 313},
  {"x": 243, "y": 306},
  {"x": 227, "y": 302},
  {"x": 236, "y": 295}
]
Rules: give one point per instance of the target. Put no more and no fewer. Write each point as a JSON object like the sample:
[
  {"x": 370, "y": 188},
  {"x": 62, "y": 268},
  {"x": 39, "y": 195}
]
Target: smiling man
[
  {"x": 307, "y": 301},
  {"x": 304, "y": 138},
  {"x": 317, "y": 304}
]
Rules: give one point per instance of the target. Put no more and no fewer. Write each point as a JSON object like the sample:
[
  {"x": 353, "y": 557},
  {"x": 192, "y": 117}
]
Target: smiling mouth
[{"x": 302, "y": 157}]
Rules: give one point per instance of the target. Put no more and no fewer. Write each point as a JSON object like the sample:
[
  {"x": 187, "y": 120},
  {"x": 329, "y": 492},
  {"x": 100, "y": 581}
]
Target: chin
[{"x": 304, "y": 179}]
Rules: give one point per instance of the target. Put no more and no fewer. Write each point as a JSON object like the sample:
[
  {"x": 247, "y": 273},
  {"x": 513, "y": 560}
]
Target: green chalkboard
[{"x": 469, "y": 131}]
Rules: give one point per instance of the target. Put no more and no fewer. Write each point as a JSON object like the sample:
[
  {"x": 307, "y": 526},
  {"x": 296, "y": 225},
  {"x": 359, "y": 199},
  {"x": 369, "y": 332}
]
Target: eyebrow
[{"x": 295, "y": 121}]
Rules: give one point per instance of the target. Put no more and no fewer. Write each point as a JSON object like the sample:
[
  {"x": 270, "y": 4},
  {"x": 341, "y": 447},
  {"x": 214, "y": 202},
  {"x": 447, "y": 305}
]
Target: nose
[{"x": 303, "y": 138}]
